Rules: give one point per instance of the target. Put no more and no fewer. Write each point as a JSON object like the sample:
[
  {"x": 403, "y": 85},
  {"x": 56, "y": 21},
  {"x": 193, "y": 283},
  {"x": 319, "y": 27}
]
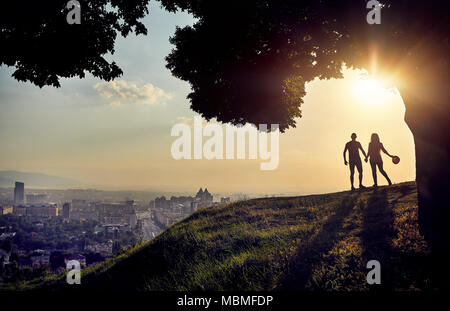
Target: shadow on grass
[
  {"x": 300, "y": 269},
  {"x": 377, "y": 234},
  {"x": 400, "y": 269}
]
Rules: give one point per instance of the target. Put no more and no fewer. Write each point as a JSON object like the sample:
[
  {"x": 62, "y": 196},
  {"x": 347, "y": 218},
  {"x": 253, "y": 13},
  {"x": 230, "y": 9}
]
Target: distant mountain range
[{"x": 8, "y": 178}]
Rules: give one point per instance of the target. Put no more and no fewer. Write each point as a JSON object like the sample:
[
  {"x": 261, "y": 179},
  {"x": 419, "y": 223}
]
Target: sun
[
  {"x": 369, "y": 86},
  {"x": 370, "y": 91}
]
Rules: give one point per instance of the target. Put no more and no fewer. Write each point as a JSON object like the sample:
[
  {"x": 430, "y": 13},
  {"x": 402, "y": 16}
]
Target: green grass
[{"x": 317, "y": 242}]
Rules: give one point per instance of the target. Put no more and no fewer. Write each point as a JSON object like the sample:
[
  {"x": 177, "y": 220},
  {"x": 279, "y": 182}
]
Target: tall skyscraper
[
  {"x": 19, "y": 190},
  {"x": 66, "y": 210}
]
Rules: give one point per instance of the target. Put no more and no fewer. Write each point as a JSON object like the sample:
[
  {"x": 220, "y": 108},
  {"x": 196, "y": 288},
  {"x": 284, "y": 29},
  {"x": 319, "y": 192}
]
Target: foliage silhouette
[{"x": 37, "y": 40}]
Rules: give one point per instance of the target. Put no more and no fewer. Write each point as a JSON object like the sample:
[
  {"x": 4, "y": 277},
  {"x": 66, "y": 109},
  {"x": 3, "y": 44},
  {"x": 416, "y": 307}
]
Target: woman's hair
[{"x": 375, "y": 138}]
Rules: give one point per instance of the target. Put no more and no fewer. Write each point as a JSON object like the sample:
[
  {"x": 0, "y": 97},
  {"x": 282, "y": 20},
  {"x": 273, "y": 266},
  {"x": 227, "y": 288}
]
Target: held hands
[{"x": 365, "y": 159}]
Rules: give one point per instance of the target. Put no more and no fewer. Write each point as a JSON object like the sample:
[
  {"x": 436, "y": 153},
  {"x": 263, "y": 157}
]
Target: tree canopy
[
  {"x": 248, "y": 61},
  {"x": 37, "y": 40}
]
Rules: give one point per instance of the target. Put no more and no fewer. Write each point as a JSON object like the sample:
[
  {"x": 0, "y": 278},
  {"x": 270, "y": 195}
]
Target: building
[
  {"x": 117, "y": 213},
  {"x": 204, "y": 196},
  {"x": 4, "y": 255},
  {"x": 6, "y": 209},
  {"x": 151, "y": 204},
  {"x": 132, "y": 220},
  {"x": 224, "y": 200},
  {"x": 36, "y": 198},
  {"x": 24, "y": 262},
  {"x": 165, "y": 218},
  {"x": 78, "y": 257},
  {"x": 20, "y": 210},
  {"x": 78, "y": 204},
  {"x": 194, "y": 206},
  {"x": 166, "y": 212},
  {"x": 83, "y": 215},
  {"x": 162, "y": 202},
  {"x": 40, "y": 261},
  {"x": 202, "y": 199},
  {"x": 35, "y": 212},
  {"x": 19, "y": 191},
  {"x": 104, "y": 249},
  {"x": 67, "y": 208},
  {"x": 7, "y": 235},
  {"x": 38, "y": 224}
]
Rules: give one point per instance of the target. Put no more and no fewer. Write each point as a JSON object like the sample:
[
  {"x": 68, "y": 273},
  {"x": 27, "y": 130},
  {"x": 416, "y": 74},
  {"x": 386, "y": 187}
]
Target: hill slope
[{"x": 310, "y": 242}]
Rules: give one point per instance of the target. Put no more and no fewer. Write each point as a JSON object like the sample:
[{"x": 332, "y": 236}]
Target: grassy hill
[{"x": 316, "y": 242}]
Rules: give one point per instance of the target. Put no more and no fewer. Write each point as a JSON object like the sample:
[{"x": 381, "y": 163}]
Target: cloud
[
  {"x": 184, "y": 120},
  {"x": 123, "y": 92}
]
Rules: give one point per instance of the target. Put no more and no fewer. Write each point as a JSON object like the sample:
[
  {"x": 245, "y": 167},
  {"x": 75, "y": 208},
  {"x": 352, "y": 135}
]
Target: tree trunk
[{"x": 428, "y": 116}]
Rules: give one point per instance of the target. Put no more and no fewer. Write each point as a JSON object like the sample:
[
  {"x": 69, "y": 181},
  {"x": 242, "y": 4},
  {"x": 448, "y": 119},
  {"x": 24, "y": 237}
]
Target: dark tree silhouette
[
  {"x": 248, "y": 61},
  {"x": 36, "y": 39}
]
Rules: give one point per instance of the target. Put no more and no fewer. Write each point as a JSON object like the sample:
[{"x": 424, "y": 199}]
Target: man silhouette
[{"x": 354, "y": 159}]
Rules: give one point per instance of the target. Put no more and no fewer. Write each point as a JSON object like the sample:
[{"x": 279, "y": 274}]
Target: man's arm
[
  {"x": 345, "y": 150},
  {"x": 362, "y": 150},
  {"x": 368, "y": 150}
]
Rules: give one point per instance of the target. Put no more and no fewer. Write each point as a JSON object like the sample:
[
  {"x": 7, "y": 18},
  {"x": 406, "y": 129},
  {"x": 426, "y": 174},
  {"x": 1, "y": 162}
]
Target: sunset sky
[{"x": 117, "y": 135}]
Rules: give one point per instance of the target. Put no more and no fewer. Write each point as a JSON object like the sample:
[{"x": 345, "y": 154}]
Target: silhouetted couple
[{"x": 374, "y": 153}]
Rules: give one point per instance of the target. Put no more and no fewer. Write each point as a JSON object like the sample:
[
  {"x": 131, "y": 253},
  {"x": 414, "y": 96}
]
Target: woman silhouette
[{"x": 374, "y": 153}]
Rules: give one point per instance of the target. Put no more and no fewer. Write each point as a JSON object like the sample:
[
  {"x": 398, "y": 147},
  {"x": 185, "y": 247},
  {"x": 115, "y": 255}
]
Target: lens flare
[{"x": 370, "y": 91}]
